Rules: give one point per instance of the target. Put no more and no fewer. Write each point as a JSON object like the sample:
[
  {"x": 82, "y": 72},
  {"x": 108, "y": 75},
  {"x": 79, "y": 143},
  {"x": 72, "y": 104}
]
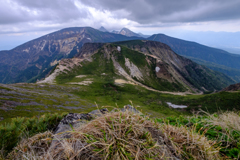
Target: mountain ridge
[
  {"x": 198, "y": 53},
  {"x": 152, "y": 65}
]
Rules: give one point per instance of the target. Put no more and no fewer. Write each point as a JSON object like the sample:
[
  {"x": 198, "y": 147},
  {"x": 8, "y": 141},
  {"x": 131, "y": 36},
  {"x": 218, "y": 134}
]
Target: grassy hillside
[
  {"x": 33, "y": 100},
  {"x": 101, "y": 64}
]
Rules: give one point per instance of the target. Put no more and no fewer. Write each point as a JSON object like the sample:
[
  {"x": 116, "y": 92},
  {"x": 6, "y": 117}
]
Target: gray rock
[
  {"x": 98, "y": 113},
  {"x": 68, "y": 123},
  {"x": 70, "y": 120},
  {"x": 130, "y": 108}
]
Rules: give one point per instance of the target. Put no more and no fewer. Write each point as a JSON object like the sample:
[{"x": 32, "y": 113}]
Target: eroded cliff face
[
  {"x": 152, "y": 65},
  {"x": 175, "y": 68}
]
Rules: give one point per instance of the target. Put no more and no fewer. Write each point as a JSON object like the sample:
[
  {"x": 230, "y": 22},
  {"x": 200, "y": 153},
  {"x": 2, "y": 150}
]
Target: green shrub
[{"x": 11, "y": 133}]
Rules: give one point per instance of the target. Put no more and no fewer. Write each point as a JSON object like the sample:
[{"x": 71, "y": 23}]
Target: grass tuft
[
  {"x": 116, "y": 135},
  {"x": 191, "y": 145}
]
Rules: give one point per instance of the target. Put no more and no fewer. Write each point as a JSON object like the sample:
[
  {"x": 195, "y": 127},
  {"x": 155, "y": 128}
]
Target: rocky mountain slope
[
  {"x": 128, "y": 33},
  {"x": 233, "y": 87},
  {"x": 34, "y": 59},
  {"x": 152, "y": 65},
  {"x": 216, "y": 59}
]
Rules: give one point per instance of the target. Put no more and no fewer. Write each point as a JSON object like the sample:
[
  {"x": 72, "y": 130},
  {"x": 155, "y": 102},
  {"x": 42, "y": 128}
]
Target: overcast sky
[{"x": 22, "y": 20}]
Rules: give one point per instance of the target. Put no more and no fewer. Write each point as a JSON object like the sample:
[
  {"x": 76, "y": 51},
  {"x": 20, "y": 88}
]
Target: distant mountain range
[{"x": 35, "y": 59}]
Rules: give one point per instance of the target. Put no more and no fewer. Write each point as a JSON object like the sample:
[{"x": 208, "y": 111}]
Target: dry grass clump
[
  {"x": 191, "y": 145},
  {"x": 118, "y": 135},
  {"x": 32, "y": 148},
  {"x": 227, "y": 120}
]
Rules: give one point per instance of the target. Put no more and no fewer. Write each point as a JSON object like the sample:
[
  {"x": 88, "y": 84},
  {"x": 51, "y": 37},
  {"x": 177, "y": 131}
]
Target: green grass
[
  {"x": 11, "y": 133},
  {"x": 47, "y": 99},
  {"x": 106, "y": 93},
  {"x": 131, "y": 43},
  {"x": 135, "y": 57}
]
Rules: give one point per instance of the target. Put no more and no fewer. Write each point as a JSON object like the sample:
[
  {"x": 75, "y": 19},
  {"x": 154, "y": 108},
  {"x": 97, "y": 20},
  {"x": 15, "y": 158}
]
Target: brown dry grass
[
  {"x": 119, "y": 135},
  {"x": 191, "y": 145},
  {"x": 32, "y": 148},
  {"x": 227, "y": 120}
]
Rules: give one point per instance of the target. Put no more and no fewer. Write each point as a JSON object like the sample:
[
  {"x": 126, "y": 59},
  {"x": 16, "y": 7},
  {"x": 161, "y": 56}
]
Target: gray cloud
[
  {"x": 150, "y": 11},
  {"x": 15, "y": 11},
  {"x": 21, "y": 16}
]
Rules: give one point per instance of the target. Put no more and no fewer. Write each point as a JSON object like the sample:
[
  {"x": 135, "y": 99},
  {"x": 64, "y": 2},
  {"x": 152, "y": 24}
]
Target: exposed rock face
[
  {"x": 134, "y": 71},
  {"x": 175, "y": 68},
  {"x": 64, "y": 65}
]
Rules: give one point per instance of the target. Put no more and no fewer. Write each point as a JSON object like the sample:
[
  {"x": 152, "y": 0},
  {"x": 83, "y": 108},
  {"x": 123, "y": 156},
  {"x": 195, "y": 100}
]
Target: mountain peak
[
  {"x": 103, "y": 29},
  {"x": 128, "y": 32}
]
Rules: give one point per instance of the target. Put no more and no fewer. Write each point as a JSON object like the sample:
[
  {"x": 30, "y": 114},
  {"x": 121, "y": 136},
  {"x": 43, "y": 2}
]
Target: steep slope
[
  {"x": 34, "y": 59},
  {"x": 233, "y": 87},
  {"x": 213, "y": 58},
  {"x": 197, "y": 75},
  {"x": 145, "y": 63},
  {"x": 127, "y": 32}
]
